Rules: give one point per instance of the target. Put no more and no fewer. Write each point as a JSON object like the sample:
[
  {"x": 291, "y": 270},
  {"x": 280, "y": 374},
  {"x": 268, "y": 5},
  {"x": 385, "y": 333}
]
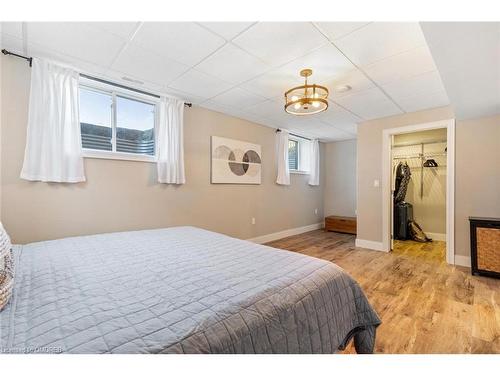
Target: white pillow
[
  {"x": 6, "y": 268},
  {"x": 5, "y": 244}
]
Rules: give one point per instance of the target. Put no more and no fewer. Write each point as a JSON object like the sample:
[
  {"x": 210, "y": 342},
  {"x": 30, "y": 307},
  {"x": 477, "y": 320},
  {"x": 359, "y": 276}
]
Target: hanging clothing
[{"x": 403, "y": 176}]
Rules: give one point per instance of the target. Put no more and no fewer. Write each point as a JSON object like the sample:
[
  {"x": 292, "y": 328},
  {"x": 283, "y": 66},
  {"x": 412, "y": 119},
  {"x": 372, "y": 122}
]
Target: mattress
[{"x": 180, "y": 290}]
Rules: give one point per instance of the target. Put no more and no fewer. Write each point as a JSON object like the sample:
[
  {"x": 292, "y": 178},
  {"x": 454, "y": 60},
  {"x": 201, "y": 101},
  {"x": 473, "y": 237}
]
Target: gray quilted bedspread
[{"x": 179, "y": 290}]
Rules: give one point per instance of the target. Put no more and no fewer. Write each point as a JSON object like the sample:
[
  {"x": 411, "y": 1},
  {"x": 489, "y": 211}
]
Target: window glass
[
  {"x": 95, "y": 119},
  {"x": 135, "y": 125},
  {"x": 293, "y": 155}
]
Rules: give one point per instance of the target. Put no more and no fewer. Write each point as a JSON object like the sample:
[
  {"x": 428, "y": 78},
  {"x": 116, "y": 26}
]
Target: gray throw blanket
[{"x": 179, "y": 290}]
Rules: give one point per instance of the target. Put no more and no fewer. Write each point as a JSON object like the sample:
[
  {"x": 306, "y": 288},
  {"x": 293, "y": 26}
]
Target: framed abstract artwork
[{"x": 235, "y": 162}]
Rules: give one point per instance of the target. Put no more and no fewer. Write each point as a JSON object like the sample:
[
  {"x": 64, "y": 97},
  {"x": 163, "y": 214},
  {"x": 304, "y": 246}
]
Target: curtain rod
[
  {"x": 295, "y": 135},
  {"x": 30, "y": 60}
]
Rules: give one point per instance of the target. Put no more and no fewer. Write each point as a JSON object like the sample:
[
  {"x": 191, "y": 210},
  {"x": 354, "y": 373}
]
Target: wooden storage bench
[{"x": 341, "y": 224}]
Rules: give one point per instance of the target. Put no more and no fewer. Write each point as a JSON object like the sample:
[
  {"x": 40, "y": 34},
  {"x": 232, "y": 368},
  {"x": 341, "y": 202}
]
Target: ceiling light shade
[{"x": 306, "y": 99}]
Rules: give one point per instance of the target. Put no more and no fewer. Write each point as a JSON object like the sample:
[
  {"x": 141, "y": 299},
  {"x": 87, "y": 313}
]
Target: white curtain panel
[
  {"x": 314, "y": 169},
  {"x": 282, "y": 154},
  {"x": 171, "y": 142},
  {"x": 53, "y": 144}
]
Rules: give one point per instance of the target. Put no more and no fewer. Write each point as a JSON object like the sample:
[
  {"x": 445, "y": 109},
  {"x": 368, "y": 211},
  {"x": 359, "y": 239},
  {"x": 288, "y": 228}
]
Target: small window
[
  {"x": 298, "y": 155},
  {"x": 135, "y": 126},
  {"x": 95, "y": 119},
  {"x": 293, "y": 155},
  {"x": 116, "y": 124}
]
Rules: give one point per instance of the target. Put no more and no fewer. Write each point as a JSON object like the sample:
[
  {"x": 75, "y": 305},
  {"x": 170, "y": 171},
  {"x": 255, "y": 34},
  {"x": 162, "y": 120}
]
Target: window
[
  {"x": 298, "y": 155},
  {"x": 293, "y": 155},
  {"x": 116, "y": 124}
]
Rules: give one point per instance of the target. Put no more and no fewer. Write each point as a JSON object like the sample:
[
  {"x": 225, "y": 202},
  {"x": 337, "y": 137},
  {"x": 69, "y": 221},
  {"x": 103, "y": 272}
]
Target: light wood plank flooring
[{"x": 426, "y": 305}]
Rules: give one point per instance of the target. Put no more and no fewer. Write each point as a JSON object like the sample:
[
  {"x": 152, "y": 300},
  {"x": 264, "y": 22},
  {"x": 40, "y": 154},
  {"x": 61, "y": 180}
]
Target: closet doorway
[{"x": 418, "y": 186}]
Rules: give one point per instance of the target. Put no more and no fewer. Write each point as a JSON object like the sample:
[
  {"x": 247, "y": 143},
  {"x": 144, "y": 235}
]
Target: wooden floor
[{"x": 426, "y": 305}]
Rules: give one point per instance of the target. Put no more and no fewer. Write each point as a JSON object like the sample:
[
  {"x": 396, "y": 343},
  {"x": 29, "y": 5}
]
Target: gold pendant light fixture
[{"x": 306, "y": 99}]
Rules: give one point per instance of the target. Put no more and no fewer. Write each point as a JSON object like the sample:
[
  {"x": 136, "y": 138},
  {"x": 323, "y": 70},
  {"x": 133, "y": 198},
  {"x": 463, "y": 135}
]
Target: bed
[{"x": 180, "y": 290}]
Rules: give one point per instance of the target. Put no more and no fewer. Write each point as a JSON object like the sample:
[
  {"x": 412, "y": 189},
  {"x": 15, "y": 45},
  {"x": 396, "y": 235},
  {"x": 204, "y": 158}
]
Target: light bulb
[
  {"x": 315, "y": 104},
  {"x": 296, "y": 106},
  {"x": 294, "y": 98}
]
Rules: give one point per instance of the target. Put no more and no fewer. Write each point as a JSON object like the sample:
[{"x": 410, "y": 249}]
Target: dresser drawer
[{"x": 341, "y": 224}]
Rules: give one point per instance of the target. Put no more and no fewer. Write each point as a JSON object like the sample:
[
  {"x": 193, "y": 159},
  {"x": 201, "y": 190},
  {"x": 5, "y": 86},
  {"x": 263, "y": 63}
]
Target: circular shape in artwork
[
  {"x": 222, "y": 152},
  {"x": 251, "y": 157},
  {"x": 239, "y": 169}
]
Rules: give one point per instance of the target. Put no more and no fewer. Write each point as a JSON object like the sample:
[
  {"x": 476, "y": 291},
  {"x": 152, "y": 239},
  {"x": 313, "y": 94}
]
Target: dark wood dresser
[
  {"x": 341, "y": 224},
  {"x": 485, "y": 246}
]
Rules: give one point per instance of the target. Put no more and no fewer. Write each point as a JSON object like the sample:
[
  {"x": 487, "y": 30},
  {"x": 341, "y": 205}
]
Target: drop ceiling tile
[
  {"x": 280, "y": 118},
  {"x": 317, "y": 129},
  {"x": 417, "y": 85},
  {"x": 200, "y": 84},
  {"x": 280, "y": 42},
  {"x": 326, "y": 62},
  {"x": 238, "y": 98},
  {"x": 76, "y": 39},
  {"x": 347, "y": 127},
  {"x": 369, "y": 104},
  {"x": 335, "y": 30},
  {"x": 232, "y": 64},
  {"x": 336, "y": 113},
  {"x": 380, "y": 40},
  {"x": 14, "y": 29},
  {"x": 122, "y": 29},
  {"x": 424, "y": 101},
  {"x": 401, "y": 66},
  {"x": 331, "y": 133},
  {"x": 185, "y": 42},
  {"x": 191, "y": 98},
  {"x": 117, "y": 76},
  {"x": 340, "y": 118},
  {"x": 355, "y": 79},
  {"x": 266, "y": 108},
  {"x": 145, "y": 65},
  {"x": 273, "y": 83},
  {"x": 227, "y": 30},
  {"x": 37, "y": 50},
  {"x": 218, "y": 107}
]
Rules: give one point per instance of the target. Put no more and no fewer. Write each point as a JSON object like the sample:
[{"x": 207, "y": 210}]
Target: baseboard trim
[
  {"x": 462, "y": 260},
  {"x": 436, "y": 236},
  {"x": 372, "y": 245},
  {"x": 285, "y": 233}
]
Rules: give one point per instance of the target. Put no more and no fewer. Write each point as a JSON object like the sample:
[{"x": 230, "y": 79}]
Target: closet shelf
[{"x": 419, "y": 156}]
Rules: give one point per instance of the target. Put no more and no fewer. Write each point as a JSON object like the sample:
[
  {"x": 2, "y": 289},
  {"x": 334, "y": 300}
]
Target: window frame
[
  {"x": 115, "y": 92},
  {"x": 299, "y": 141}
]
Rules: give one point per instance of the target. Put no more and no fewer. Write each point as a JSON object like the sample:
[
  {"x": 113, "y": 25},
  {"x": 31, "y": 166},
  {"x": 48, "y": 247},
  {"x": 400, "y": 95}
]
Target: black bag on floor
[
  {"x": 403, "y": 215},
  {"x": 416, "y": 233}
]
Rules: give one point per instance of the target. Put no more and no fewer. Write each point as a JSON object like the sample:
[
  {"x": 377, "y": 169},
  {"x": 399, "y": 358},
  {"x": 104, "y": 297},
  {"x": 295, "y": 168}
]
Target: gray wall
[
  {"x": 340, "y": 178},
  {"x": 123, "y": 195},
  {"x": 477, "y": 175},
  {"x": 477, "y": 179}
]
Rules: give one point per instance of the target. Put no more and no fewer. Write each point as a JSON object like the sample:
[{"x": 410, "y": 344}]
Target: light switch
[{"x": 376, "y": 183}]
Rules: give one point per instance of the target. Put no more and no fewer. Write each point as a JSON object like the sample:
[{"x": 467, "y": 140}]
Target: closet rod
[
  {"x": 30, "y": 61},
  {"x": 420, "y": 143},
  {"x": 415, "y": 156}
]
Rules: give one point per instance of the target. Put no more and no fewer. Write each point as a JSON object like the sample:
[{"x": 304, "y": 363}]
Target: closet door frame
[{"x": 387, "y": 135}]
